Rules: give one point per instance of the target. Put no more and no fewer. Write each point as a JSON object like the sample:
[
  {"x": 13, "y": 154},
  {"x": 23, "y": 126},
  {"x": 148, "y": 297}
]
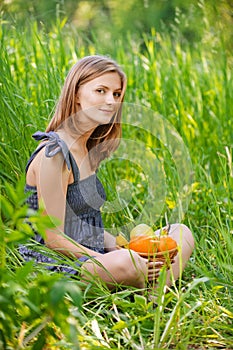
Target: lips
[{"x": 106, "y": 110}]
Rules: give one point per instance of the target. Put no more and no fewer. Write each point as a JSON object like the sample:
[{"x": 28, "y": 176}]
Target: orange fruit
[
  {"x": 152, "y": 244},
  {"x": 144, "y": 244},
  {"x": 166, "y": 243}
]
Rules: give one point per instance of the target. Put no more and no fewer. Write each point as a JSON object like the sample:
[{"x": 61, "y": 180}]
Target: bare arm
[{"x": 52, "y": 178}]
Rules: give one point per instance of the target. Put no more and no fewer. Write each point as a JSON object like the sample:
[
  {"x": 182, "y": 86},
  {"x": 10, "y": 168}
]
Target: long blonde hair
[{"x": 85, "y": 70}]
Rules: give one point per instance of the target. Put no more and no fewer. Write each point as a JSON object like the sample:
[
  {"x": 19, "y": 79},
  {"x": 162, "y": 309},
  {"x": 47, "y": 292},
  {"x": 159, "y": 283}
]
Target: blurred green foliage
[{"x": 113, "y": 19}]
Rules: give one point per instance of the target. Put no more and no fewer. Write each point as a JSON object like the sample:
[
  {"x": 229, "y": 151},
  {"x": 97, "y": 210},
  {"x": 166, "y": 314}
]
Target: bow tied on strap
[{"x": 54, "y": 145}]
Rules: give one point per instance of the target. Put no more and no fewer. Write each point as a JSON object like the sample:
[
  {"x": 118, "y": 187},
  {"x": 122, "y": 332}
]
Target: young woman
[{"x": 61, "y": 173}]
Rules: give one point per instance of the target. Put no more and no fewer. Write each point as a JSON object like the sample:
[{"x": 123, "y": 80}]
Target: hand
[{"x": 154, "y": 268}]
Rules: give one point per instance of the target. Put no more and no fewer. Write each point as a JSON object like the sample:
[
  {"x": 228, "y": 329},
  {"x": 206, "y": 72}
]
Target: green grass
[{"x": 192, "y": 88}]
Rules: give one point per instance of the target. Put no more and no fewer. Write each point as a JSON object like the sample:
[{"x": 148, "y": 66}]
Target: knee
[
  {"x": 188, "y": 236},
  {"x": 181, "y": 232}
]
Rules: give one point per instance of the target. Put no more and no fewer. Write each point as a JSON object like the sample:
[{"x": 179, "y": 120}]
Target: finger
[
  {"x": 153, "y": 274},
  {"x": 153, "y": 264},
  {"x": 152, "y": 277}
]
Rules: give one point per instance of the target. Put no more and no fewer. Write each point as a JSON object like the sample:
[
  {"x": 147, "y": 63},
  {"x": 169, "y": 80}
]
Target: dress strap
[{"x": 53, "y": 146}]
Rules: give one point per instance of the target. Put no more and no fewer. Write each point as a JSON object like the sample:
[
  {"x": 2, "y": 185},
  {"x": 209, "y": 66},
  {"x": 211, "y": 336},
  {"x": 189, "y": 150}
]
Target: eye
[
  {"x": 100, "y": 91},
  {"x": 117, "y": 94}
]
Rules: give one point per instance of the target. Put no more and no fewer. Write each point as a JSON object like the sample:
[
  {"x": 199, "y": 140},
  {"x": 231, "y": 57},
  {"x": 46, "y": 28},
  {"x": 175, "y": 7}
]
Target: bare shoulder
[{"x": 51, "y": 167}]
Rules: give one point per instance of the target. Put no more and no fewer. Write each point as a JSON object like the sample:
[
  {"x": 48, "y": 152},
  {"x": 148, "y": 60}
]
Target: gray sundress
[{"x": 84, "y": 198}]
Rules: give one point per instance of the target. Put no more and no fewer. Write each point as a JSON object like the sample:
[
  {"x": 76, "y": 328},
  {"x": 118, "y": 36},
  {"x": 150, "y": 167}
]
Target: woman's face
[{"x": 99, "y": 98}]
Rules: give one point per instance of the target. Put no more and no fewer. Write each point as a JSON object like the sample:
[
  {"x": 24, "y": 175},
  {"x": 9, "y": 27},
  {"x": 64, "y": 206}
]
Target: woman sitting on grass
[{"x": 61, "y": 173}]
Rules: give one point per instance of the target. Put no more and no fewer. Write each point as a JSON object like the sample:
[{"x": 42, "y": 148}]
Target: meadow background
[{"x": 178, "y": 59}]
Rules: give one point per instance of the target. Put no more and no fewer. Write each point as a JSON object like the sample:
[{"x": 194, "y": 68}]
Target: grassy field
[{"x": 192, "y": 89}]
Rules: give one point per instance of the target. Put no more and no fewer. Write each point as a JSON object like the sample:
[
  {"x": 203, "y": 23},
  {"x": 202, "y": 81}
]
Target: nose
[{"x": 109, "y": 98}]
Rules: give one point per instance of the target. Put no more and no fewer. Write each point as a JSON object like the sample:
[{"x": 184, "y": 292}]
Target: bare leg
[
  {"x": 127, "y": 268},
  {"x": 122, "y": 267},
  {"x": 184, "y": 238}
]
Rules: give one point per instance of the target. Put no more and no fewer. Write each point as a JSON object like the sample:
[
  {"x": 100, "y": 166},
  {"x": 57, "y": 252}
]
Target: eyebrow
[{"x": 107, "y": 87}]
